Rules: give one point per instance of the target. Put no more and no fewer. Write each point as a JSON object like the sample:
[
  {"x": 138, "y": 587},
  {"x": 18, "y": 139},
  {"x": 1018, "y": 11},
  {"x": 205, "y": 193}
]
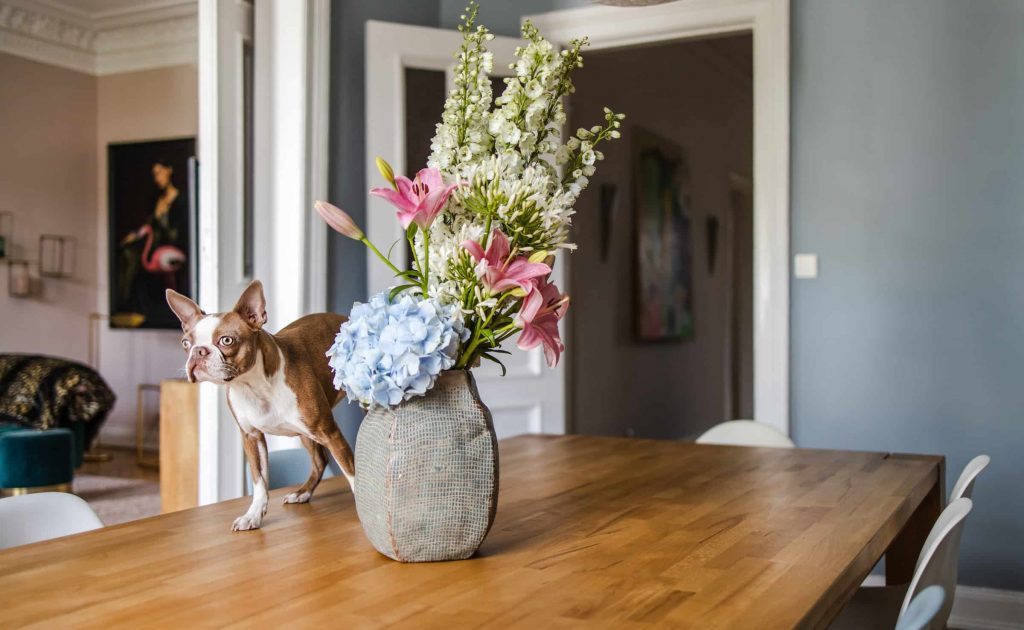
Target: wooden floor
[{"x": 122, "y": 464}]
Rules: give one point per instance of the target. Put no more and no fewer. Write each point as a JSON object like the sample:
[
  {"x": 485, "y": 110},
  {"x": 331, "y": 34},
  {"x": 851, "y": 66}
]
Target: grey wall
[
  {"x": 503, "y": 16},
  {"x": 908, "y": 152},
  {"x": 347, "y": 179}
]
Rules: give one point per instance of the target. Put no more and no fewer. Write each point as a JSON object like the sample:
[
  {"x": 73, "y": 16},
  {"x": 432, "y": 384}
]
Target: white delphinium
[{"x": 462, "y": 134}]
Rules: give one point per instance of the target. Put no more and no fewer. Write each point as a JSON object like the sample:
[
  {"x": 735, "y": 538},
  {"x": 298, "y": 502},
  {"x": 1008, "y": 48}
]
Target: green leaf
[
  {"x": 487, "y": 356},
  {"x": 396, "y": 290}
]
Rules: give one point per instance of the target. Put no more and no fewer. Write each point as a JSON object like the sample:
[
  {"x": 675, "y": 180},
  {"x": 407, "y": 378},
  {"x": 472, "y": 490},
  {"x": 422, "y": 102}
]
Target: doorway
[{"x": 658, "y": 347}]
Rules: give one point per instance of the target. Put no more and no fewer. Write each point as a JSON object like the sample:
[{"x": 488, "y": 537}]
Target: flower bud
[
  {"x": 386, "y": 170},
  {"x": 538, "y": 256},
  {"x": 339, "y": 220}
]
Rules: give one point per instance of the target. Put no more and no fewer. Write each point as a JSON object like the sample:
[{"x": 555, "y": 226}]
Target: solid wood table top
[{"x": 590, "y": 531}]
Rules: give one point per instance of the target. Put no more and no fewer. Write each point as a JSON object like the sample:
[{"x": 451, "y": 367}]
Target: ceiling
[{"x": 96, "y": 10}]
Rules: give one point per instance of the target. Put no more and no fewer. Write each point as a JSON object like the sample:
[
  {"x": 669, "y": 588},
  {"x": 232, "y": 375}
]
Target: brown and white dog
[{"x": 277, "y": 384}]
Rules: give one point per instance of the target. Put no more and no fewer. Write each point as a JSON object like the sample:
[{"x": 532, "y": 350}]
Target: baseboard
[
  {"x": 977, "y": 608},
  {"x": 115, "y": 435}
]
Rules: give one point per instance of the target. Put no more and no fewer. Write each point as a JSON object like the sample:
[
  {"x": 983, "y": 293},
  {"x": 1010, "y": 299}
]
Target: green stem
[
  {"x": 425, "y": 269},
  {"x": 387, "y": 262}
]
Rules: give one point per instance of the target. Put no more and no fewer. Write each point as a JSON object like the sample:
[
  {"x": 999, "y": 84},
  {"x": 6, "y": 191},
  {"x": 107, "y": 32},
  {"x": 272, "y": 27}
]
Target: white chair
[
  {"x": 30, "y": 518},
  {"x": 964, "y": 486},
  {"x": 923, "y": 609},
  {"x": 745, "y": 433},
  {"x": 885, "y": 606}
]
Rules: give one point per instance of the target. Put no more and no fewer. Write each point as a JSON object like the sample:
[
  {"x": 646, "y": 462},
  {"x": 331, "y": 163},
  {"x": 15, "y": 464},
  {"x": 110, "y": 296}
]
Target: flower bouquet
[{"x": 484, "y": 221}]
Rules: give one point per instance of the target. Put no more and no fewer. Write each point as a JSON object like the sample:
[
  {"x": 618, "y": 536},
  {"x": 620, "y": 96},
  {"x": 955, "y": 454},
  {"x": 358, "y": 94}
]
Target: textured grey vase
[{"x": 427, "y": 473}]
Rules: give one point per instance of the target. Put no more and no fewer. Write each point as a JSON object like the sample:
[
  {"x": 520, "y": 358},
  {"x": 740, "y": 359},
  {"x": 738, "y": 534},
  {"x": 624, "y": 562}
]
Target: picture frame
[
  {"x": 663, "y": 286},
  {"x": 152, "y": 230}
]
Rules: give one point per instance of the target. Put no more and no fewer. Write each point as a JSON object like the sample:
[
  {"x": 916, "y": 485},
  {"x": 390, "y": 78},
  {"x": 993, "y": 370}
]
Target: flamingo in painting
[{"x": 165, "y": 259}]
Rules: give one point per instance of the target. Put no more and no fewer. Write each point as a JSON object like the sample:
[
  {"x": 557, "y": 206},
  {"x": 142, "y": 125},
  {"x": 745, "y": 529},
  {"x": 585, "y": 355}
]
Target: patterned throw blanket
[{"x": 44, "y": 392}]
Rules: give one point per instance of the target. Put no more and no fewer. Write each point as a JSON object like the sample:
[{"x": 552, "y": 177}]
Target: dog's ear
[
  {"x": 186, "y": 310},
  {"x": 252, "y": 306}
]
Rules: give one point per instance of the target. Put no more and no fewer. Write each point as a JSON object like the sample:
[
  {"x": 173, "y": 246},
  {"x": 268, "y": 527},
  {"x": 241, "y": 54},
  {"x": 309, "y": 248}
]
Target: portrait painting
[
  {"x": 152, "y": 230},
  {"x": 664, "y": 269}
]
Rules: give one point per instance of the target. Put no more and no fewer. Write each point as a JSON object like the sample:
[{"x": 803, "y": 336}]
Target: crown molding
[{"x": 141, "y": 37}]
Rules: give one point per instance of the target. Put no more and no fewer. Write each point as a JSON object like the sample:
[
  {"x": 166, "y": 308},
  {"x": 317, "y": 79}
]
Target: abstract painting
[{"x": 664, "y": 269}]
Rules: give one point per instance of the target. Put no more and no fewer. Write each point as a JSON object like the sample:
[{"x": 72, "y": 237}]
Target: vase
[{"x": 426, "y": 484}]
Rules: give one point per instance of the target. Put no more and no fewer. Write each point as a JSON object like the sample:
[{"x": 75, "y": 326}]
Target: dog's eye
[
  {"x": 186, "y": 344},
  {"x": 226, "y": 341}
]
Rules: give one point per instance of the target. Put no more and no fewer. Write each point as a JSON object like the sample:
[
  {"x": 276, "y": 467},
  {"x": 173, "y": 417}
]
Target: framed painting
[
  {"x": 152, "y": 230},
  {"x": 664, "y": 267}
]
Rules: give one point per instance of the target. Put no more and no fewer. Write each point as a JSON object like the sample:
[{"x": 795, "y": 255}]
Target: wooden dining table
[{"x": 590, "y": 532}]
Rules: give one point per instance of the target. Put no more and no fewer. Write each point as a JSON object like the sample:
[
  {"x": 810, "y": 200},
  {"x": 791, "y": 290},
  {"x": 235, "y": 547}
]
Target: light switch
[{"x": 805, "y": 266}]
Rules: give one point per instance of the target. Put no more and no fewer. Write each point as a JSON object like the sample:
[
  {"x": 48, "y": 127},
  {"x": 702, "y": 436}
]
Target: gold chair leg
[{"x": 17, "y": 492}]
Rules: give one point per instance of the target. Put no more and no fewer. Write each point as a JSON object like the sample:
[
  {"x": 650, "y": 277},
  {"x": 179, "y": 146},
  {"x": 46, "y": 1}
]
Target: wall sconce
[
  {"x": 6, "y": 224},
  {"x": 19, "y": 281},
  {"x": 56, "y": 256}
]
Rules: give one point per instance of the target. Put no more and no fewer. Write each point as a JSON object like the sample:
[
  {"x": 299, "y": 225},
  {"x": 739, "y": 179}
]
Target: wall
[
  {"x": 907, "y": 149},
  {"x": 657, "y": 390},
  {"x": 501, "y": 16},
  {"x": 135, "y": 106},
  {"x": 48, "y": 182},
  {"x": 347, "y": 150}
]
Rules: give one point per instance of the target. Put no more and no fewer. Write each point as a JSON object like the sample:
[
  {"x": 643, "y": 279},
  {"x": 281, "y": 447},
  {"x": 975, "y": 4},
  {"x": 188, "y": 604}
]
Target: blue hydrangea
[{"x": 393, "y": 349}]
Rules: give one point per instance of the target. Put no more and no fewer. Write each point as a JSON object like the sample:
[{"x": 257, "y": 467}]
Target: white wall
[
  {"x": 661, "y": 390},
  {"x": 47, "y": 181},
  {"x": 136, "y": 106}
]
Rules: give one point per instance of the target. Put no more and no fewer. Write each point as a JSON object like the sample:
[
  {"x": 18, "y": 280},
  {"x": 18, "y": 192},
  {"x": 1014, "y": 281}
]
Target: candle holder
[
  {"x": 56, "y": 256},
  {"x": 19, "y": 280}
]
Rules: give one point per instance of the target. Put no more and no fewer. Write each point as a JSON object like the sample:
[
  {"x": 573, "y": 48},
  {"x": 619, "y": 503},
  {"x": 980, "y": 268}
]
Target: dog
[{"x": 276, "y": 384}]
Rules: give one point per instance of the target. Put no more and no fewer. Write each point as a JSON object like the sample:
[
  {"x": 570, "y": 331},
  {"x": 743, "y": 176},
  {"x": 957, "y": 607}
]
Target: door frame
[
  {"x": 768, "y": 21},
  {"x": 291, "y": 107}
]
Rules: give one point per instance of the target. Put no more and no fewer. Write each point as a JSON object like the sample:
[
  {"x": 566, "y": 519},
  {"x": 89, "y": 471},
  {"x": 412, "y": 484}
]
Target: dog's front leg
[{"x": 256, "y": 454}]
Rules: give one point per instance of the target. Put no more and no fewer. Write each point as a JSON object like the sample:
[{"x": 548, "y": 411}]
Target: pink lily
[
  {"x": 543, "y": 307},
  {"x": 498, "y": 270},
  {"x": 420, "y": 200}
]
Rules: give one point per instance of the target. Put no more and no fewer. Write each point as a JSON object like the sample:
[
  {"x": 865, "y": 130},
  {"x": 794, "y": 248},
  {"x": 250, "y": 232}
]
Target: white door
[
  {"x": 225, "y": 212},
  {"x": 531, "y": 397}
]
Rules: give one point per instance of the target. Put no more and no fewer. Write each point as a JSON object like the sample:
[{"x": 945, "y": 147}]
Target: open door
[{"x": 407, "y": 77}]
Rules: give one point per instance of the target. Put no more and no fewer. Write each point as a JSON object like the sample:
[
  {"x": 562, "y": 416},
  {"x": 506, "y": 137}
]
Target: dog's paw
[
  {"x": 298, "y": 497},
  {"x": 245, "y": 523}
]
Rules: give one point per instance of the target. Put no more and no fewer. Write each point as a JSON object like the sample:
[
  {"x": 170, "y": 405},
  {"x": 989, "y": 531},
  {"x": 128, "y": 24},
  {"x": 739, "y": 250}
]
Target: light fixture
[
  {"x": 56, "y": 256},
  {"x": 631, "y": 3}
]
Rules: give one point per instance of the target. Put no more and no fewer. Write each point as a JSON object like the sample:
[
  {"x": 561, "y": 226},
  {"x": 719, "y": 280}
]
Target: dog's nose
[{"x": 202, "y": 351}]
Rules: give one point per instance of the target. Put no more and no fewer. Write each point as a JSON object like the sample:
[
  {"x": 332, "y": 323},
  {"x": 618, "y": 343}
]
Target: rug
[{"x": 118, "y": 500}]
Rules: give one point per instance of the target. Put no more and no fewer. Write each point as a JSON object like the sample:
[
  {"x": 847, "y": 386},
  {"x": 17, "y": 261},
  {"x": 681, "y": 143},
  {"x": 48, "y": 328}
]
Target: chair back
[
  {"x": 937, "y": 564},
  {"x": 745, "y": 433},
  {"x": 922, "y": 609},
  {"x": 30, "y": 518},
  {"x": 288, "y": 467},
  {"x": 964, "y": 486}
]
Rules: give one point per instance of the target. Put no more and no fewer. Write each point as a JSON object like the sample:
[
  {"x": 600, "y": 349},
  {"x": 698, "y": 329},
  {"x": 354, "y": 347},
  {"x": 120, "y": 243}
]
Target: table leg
[{"x": 902, "y": 554}]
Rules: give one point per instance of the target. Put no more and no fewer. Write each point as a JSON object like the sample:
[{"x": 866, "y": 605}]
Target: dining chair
[
  {"x": 745, "y": 433},
  {"x": 289, "y": 467},
  {"x": 964, "y": 486},
  {"x": 922, "y": 609},
  {"x": 29, "y": 518},
  {"x": 884, "y": 606}
]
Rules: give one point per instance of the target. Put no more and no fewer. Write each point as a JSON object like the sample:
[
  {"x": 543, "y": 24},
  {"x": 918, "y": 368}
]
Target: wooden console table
[{"x": 179, "y": 445}]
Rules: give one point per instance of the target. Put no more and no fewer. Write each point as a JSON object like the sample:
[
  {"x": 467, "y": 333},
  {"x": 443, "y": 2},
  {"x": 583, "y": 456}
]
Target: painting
[
  {"x": 152, "y": 230},
  {"x": 664, "y": 269}
]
